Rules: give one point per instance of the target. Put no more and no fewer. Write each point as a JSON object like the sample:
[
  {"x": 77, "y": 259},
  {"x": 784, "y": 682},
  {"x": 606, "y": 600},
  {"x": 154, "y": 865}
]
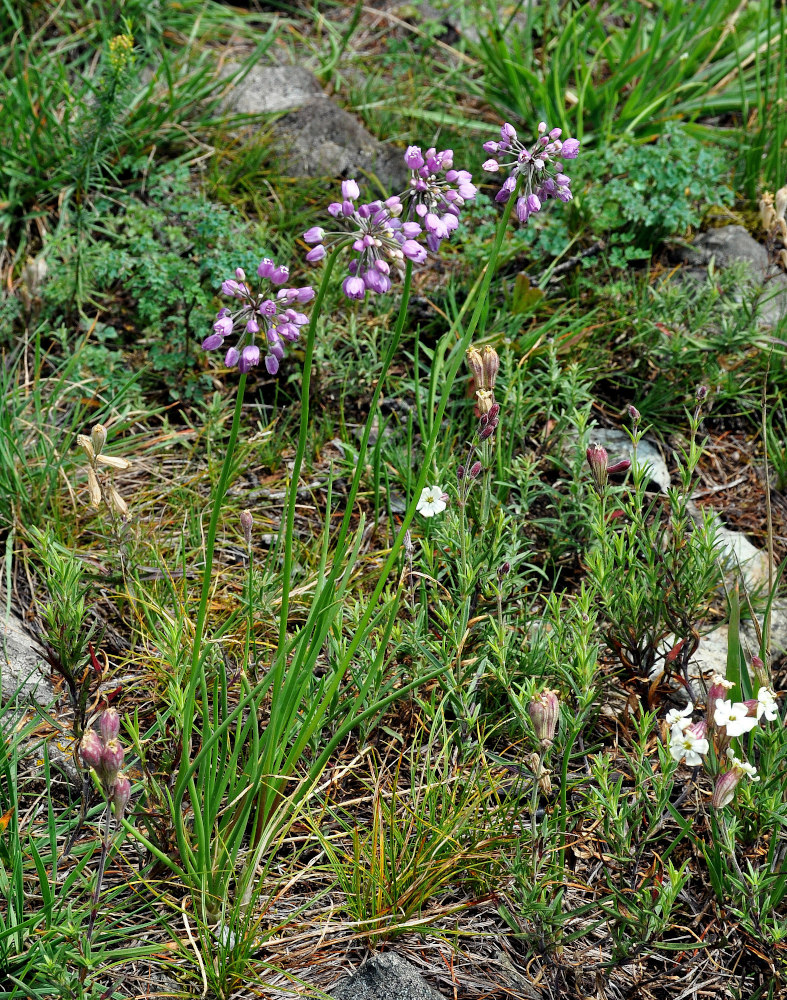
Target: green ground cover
[{"x": 392, "y": 655}]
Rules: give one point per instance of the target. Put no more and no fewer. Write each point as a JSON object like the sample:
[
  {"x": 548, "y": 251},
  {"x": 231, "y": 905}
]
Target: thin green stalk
[
  {"x": 199, "y": 628},
  {"x": 303, "y": 433}
]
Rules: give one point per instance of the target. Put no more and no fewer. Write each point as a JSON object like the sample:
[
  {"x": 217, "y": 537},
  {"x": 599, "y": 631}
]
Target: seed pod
[{"x": 98, "y": 438}]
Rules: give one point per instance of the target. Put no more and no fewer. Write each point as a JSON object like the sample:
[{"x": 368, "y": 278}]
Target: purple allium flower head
[
  {"x": 436, "y": 194},
  {"x": 539, "y": 166},
  {"x": 256, "y": 313},
  {"x": 374, "y": 233}
]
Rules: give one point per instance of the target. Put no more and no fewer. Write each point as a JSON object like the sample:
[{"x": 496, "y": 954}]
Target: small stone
[
  {"x": 268, "y": 89},
  {"x": 385, "y": 977}
]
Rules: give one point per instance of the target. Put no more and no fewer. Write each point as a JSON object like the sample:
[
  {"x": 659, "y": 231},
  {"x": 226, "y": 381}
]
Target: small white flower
[
  {"x": 766, "y": 704},
  {"x": 433, "y": 501},
  {"x": 742, "y": 765},
  {"x": 718, "y": 681},
  {"x": 678, "y": 718},
  {"x": 686, "y": 744},
  {"x": 735, "y": 718}
]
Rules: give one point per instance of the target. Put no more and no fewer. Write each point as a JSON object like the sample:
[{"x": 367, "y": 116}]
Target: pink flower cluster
[
  {"x": 103, "y": 752},
  {"x": 437, "y": 192},
  {"x": 256, "y": 312},
  {"x": 539, "y": 166}
]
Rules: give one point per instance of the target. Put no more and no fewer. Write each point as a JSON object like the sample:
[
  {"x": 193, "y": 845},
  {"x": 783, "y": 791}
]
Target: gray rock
[
  {"x": 385, "y": 977},
  {"x": 19, "y": 665},
  {"x": 267, "y": 89},
  {"x": 732, "y": 244},
  {"x": 727, "y": 245},
  {"x": 322, "y": 140}
]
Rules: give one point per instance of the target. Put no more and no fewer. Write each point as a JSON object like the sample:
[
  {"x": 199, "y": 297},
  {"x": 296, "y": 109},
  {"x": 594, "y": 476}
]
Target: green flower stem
[
  {"x": 303, "y": 434},
  {"x": 197, "y": 656}
]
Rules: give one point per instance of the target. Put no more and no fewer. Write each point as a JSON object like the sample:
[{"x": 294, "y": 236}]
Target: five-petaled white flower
[
  {"x": 766, "y": 704},
  {"x": 688, "y": 745},
  {"x": 734, "y": 717},
  {"x": 677, "y": 718},
  {"x": 742, "y": 765},
  {"x": 433, "y": 501}
]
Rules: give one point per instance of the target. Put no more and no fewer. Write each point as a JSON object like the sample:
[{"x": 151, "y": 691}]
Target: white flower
[
  {"x": 718, "y": 681},
  {"x": 742, "y": 765},
  {"x": 433, "y": 501},
  {"x": 735, "y": 718},
  {"x": 766, "y": 704},
  {"x": 682, "y": 719},
  {"x": 687, "y": 744}
]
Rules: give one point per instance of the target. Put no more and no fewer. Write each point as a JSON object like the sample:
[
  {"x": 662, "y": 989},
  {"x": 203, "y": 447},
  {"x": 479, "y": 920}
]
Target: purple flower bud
[
  {"x": 230, "y": 287},
  {"x": 487, "y": 432},
  {"x": 413, "y": 158},
  {"x": 271, "y": 363},
  {"x": 252, "y": 326},
  {"x": 410, "y": 230},
  {"x": 475, "y": 470},
  {"x": 212, "y": 342},
  {"x": 350, "y": 191},
  {"x": 223, "y": 327},
  {"x": 265, "y": 268},
  {"x": 91, "y": 749},
  {"x": 634, "y": 413},
  {"x": 460, "y": 472},
  {"x": 231, "y": 357},
  {"x": 702, "y": 392},
  {"x": 353, "y": 287},
  {"x": 491, "y": 166},
  {"x": 570, "y": 149},
  {"x": 249, "y": 356},
  {"x": 522, "y": 211},
  {"x": 533, "y": 203},
  {"x": 555, "y": 133},
  {"x": 316, "y": 254},
  {"x": 504, "y": 570},
  {"x": 414, "y": 251},
  {"x": 507, "y": 132},
  {"x": 314, "y": 235},
  {"x": 246, "y": 523},
  {"x": 240, "y": 274},
  {"x": 279, "y": 275},
  {"x": 490, "y": 147},
  {"x": 109, "y": 724}
]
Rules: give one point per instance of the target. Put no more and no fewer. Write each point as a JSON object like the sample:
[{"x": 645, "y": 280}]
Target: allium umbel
[
  {"x": 539, "y": 166},
  {"x": 375, "y": 233},
  {"x": 437, "y": 192},
  {"x": 275, "y": 320}
]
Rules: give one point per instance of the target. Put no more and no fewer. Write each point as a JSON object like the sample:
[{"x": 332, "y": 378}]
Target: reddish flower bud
[
  {"x": 490, "y": 366},
  {"x": 597, "y": 458},
  {"x": 475, "y": 470},
  {"x": 724, "y": 792},
  {"x": 544, "y": 711},
  {"x": 486, "y": 433},
  {"x": 91, "y": 749},
  {"x": 622, "y": 466},
  {"x": 111, "y": 762},
  {"x": 120, "y": 794},
  {"x": 246, "y": 523},
  {"x": 109, "y": 725},
  {"x": 634, "y": 413}
]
